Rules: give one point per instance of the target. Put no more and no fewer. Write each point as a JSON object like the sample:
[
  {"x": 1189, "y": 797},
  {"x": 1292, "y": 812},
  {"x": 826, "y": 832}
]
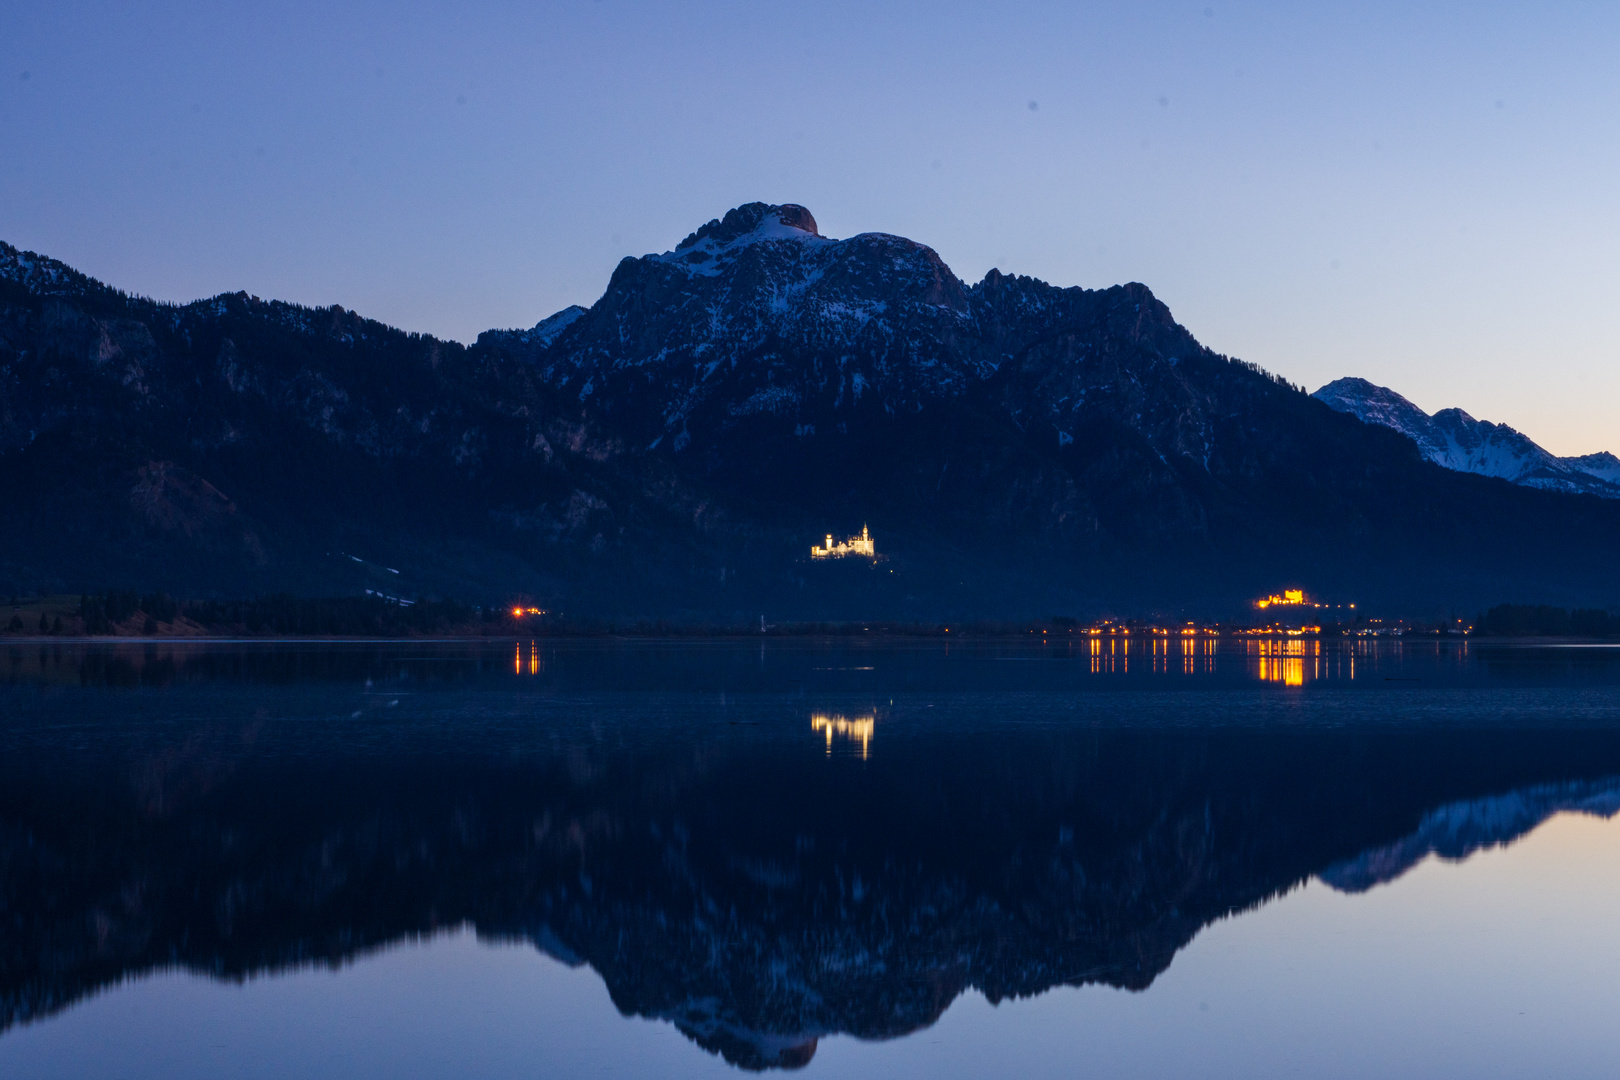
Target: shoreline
[{"x": 774, "y": 635}]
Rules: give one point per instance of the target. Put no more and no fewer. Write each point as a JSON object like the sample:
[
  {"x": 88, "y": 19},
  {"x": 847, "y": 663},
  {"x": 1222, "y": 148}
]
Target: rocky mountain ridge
[
  {"x": 1455, "y": 440},
  {"x": 674, "y": 449}
]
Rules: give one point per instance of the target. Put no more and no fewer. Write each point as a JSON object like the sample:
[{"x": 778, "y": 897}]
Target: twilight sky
[{"x": 1426, "y": 195}]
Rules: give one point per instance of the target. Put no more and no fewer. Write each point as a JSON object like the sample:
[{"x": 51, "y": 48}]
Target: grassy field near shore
[{"x": 21, "y": 614}]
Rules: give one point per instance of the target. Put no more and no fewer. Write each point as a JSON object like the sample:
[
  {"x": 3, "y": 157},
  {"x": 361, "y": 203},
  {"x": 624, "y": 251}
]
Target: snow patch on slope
[{"x": 546, "y": 330}]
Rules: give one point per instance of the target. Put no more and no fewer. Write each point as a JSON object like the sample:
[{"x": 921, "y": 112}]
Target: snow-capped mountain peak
[
  {"x": 1381, "y": 405},
  {"x": 1603, "y": 465},
  {"x": 1457, "y": 441},
  {"x": 709, "y": 248}
]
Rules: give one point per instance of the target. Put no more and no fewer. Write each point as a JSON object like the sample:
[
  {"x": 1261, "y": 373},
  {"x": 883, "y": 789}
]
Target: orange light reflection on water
[
  {"x": 534, "y": 664},
  {"x": 1286, "y": 661},
  {"x": 858, "y": 729}
]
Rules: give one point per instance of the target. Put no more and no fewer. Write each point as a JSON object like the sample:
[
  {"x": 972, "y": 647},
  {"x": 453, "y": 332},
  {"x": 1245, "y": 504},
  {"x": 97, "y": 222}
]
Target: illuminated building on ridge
[{"x": 855, "y": 545}]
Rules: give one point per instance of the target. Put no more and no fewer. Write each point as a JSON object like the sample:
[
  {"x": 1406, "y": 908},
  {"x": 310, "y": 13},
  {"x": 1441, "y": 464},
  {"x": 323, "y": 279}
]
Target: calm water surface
[{"x": 1388, "y": 858}]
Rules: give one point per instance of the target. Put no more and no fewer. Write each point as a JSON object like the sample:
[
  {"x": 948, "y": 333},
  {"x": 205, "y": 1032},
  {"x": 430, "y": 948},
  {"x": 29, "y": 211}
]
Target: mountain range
[
  {"x": 1455, "y": 440},
  {"x": 1016, "y": 448}
]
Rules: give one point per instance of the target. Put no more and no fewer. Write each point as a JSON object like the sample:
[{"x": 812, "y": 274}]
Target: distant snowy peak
[
  {"x": 1604, "y": 466},
  {"x": 1457, "y": 441},
  {"x": 1381, "y": 405},
  {"x": 708, "y": 248},
  {"x": 756, "y": 219}
]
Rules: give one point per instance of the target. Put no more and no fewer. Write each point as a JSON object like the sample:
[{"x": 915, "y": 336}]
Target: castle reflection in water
[
  {"x": 857, "y": 729},
  {"x": 1286, "y": 662}
]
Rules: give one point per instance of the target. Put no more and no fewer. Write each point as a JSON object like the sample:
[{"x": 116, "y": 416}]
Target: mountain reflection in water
[{"x": 677, "y": 819}]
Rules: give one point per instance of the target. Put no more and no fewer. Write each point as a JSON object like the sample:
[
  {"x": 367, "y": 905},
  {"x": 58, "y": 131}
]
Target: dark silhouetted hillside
[{"x": 673, "y": 451}]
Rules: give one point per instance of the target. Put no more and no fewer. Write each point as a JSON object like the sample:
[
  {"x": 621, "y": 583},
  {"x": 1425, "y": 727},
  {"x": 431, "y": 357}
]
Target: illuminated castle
[
  {"x": 1289, "y": 597},
  {"x": 855, "y": 545}
]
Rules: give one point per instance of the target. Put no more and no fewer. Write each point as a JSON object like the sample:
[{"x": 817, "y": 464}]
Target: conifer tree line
[
  {"x": 378, "y": 616},
  {"x": 1541, "y": 620},
  {"x": 285, "y": 614}
]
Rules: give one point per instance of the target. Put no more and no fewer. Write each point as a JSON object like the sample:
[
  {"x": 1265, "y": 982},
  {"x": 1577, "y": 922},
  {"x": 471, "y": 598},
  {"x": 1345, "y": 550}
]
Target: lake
[{"x": 855, "y": 857}]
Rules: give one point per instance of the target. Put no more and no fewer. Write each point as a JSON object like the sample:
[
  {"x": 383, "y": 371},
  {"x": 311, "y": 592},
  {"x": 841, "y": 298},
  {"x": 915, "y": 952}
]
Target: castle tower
[{"x": 855, "y": 545}]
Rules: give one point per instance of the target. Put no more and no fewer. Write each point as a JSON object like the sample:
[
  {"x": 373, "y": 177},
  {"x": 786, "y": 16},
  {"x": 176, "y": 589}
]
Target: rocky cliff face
[
  {"x": 1017, "y": 448},
  {"x": 759, "y": 340},
  {"x": 1455, "y": 440}
]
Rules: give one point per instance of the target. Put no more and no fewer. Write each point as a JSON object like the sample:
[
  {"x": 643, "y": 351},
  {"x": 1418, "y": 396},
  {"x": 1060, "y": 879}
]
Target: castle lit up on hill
[{"x": 861, "y": 545}]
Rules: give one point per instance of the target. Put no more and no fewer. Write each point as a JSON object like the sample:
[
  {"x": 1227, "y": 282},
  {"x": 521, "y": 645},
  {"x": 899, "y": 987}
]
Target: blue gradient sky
[{"x": 1425, "y": 195}]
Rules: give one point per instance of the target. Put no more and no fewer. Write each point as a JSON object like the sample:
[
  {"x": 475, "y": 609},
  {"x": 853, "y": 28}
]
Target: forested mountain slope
[{"x": 1017, "y": 448}]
